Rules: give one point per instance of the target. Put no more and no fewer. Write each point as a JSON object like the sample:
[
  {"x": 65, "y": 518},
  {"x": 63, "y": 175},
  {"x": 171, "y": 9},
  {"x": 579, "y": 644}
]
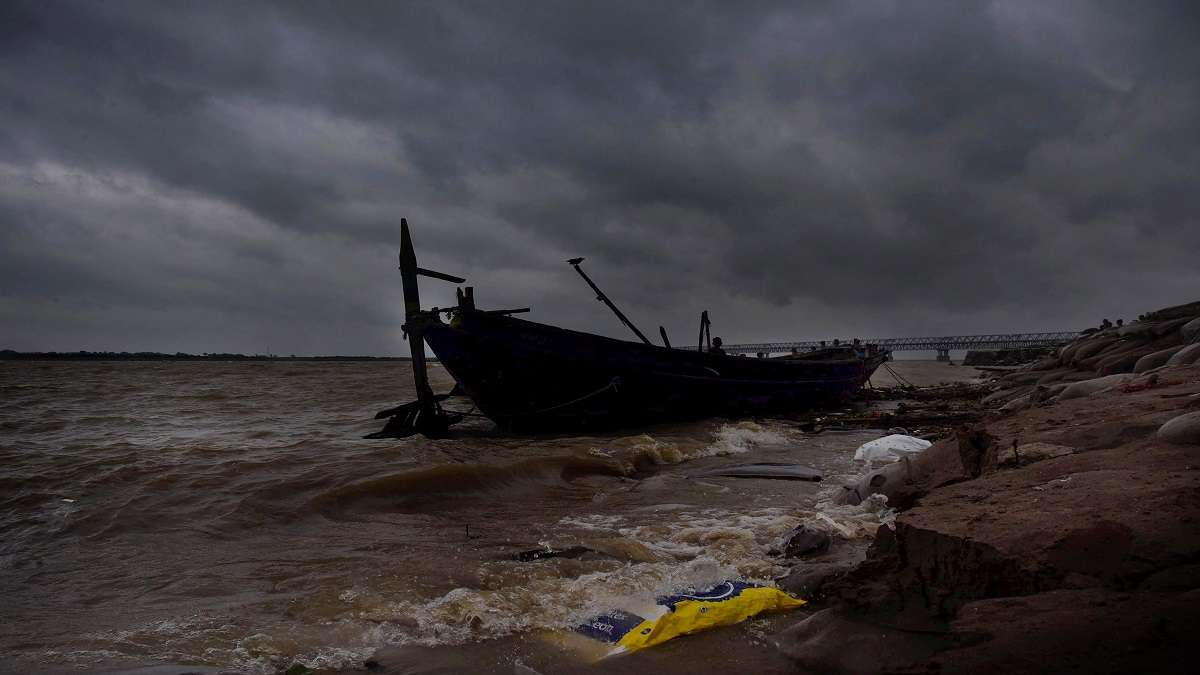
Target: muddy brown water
[{"x": 230, "y": 516}]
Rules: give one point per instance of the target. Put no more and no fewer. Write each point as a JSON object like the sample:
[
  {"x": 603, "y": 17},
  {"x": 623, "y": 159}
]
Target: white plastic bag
[{"x": 890, "y": 448}]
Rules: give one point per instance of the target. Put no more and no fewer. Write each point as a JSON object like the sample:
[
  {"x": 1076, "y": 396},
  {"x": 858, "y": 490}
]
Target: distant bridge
[{"x": 942, "y": 345}]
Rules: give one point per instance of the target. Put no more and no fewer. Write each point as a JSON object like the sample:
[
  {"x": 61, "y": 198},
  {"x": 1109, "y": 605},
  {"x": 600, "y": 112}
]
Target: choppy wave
[
  {"x": 421, "y": 488},
  {"x": 231, "y": 515},
  {"x": 642, "y": 451},
  {"x": 739, "y": 438},
  {"x": 545, "y": 602}
]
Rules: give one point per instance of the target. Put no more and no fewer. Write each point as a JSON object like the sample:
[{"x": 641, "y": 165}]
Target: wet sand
[{"x": 923, "y": 373}]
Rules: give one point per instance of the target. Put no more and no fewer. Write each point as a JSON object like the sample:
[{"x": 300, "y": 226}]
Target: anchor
[{"x": 425, "y": 415}]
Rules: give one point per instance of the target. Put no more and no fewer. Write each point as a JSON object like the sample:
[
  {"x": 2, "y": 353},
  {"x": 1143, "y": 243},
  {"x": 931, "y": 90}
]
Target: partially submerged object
[
  {"x": 774, "y": 470},
  {"x": 528, "y": 376},
  {"x": 725, "y": 604},
  {"x": 547, "y": 553}
]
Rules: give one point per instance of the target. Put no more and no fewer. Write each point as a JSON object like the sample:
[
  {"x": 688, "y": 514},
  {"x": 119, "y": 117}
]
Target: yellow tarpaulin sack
[{"x": 725, "y": 604}]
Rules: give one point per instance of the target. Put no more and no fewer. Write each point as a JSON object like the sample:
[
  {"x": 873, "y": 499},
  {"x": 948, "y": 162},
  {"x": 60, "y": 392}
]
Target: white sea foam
[
  {"x": 851, "y": 521},
  {"x": 548, "y": 603},
  {"x": 729, "y": 439},
  {"x": 732, "y": 439},
  {"x": 699, "y": 548}
]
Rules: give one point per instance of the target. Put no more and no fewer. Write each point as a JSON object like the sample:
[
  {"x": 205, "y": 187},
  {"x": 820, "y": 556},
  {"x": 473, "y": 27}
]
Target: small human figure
[
  {"x": 1105, "y": 324},
  {"x": 1120, "y": 322},
  {"x": 716, "y": 347}
]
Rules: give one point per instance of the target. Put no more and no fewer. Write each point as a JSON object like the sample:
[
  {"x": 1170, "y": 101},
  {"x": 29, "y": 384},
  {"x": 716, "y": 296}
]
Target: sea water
[{"x": 229, "y": 515}]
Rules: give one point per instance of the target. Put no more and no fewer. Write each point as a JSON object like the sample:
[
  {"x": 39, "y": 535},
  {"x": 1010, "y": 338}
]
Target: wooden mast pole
[
  {"x": 424, "y": 415},
  {"x": 414, "y": 326},
  {"x": 574, "y": 262}
]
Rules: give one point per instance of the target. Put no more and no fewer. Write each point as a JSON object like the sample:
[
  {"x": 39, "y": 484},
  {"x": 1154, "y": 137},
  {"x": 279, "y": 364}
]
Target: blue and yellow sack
[{"x": 725, "y": 604}]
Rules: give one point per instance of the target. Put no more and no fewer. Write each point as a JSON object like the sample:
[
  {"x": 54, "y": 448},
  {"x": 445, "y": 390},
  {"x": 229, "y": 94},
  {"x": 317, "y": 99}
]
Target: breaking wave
[{"x": 642, "y": 451}]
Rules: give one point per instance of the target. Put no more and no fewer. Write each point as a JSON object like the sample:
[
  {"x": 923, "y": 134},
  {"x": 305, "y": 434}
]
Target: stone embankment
[{"x": 1060, "y": 534}]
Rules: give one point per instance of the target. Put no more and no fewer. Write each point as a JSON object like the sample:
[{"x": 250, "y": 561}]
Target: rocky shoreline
[{"x": 1059, "y": 534}]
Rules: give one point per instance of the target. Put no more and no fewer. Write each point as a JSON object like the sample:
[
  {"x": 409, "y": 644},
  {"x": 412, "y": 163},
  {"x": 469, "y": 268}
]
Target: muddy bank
[
  {"x": 922, "y": 373},
  {"x": 1059, "y": 534}
]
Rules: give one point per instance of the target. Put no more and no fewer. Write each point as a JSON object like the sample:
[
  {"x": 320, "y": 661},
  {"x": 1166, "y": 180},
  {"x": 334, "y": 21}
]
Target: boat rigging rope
[
  {"x": 612, "y": 385},
  {"x": 899, "y": 378}
]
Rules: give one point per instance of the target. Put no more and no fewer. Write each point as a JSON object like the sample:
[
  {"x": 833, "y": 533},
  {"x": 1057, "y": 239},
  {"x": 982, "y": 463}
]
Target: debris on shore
[{"x": 1057, "y": 532}]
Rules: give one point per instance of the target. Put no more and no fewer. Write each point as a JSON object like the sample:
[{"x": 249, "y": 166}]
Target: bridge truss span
[{"x": 940, "y": 344}]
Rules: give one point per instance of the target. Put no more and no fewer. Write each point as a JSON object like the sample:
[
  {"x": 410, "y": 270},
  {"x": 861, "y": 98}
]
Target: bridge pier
[{"x": 943, "y": 355}]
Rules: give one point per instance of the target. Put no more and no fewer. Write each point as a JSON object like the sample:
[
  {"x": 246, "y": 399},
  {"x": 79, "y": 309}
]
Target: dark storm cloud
[{"x": 217, "y": 176}]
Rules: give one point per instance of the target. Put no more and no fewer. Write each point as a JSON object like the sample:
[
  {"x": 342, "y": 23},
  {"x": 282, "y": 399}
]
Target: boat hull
[{"x": 530, "y": 376}]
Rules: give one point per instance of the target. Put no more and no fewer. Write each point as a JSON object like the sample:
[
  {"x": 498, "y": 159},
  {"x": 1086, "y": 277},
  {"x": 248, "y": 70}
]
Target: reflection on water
[{"x": 230, "y": 515}]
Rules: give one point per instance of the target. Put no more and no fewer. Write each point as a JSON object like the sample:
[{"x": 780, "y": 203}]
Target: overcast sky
[{"x": 219, "y": 176}]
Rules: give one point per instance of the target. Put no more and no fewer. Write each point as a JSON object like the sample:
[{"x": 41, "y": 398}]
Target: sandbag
[
  {"x": 1191, "y": 330},
  {"x": 1154, "y": 360},
  {"x": 1114, "y": 350},
  {"x": 1091, "y": 347},
  {"x": 971, "y": 453},
  {"x": 1185, "y": 356},
  {"x": 725, "y": 604},
  {"x": 1190, "y": 309},
  {"x": 890, "y": 448},
  {"x": 1089, "y": 387},
  {"x": 1167, "y": 327},
  {"x": 1067, "y": 353},
  {"x": 1019, "y": 403},
  {"x": 1182, "y": 430},
  {"x": 1053, "y": 376},
  {"x": 1045, "y": 393},
  {"x": 1136, "y": 329},
  {"x": 1122, "y": 363}
]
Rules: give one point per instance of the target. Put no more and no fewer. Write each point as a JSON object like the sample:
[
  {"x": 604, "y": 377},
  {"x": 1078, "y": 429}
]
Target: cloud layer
[{"x": 230, "y": 177}]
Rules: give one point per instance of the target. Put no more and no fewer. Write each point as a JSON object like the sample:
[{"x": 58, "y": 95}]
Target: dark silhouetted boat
[{"x": 527, "y": 376}]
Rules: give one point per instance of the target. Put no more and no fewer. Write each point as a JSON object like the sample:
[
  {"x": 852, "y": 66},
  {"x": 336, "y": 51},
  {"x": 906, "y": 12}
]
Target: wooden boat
[{"x": 528, "y": 376}]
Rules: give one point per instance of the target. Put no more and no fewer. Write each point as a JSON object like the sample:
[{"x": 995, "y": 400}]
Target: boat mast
[
  {"x": 425, "y": 415},
  {"x": 413, "y": 325},
  {"x": 604, "y": 298}
]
